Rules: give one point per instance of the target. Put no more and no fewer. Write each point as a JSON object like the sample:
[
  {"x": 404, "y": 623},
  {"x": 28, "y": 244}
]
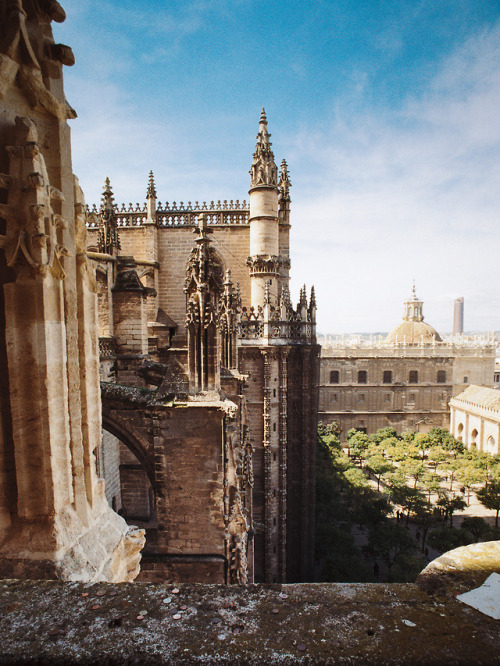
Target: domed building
[
  {"x": 413, "y": 330},
  {"x": 405, "y": 380}
]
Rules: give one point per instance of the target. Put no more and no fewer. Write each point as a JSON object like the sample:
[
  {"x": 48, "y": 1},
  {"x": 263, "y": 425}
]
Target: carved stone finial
[
  {"x": 285, "y": 296},
  {"x": 303, "y": 297},
  {"x": 108, "y": 200},
  {"x": 108, "y": 239},
  {"x": 267, "y": 293},
  {"x": 263, "y": 170},
  {"x": 151, "y": 193},
  {"x": 284, "y": 184},
  {"x": 312, "y": 302}
]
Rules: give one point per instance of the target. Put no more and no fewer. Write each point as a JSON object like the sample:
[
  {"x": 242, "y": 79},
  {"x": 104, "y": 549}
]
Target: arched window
[
  {"x": 334, "y": 377},
  {"x": 491, "y": 445},
  {"x": 473, "y": 438},
  {"x": 460, "y": 432}
]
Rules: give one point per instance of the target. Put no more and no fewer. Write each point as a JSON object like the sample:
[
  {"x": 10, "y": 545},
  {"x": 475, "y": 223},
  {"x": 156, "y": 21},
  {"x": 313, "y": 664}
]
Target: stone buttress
[{"x": 54, "y": 518}]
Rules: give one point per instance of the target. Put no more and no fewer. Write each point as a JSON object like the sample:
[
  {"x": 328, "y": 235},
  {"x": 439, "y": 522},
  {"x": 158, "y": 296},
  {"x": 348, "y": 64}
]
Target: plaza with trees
[{"x": 386, "y": 503}]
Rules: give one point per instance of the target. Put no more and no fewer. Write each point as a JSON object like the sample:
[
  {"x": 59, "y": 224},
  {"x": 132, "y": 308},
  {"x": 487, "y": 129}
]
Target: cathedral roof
[{"x": 413, "y": 330}]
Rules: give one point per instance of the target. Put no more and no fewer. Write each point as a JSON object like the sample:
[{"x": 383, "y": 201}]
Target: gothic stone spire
[
  {"x": 264, "y": 170},
  {"x": 151, "y": 193},
  {"x": 108, "y": 239},
  {"x": 284, "y": 184}
]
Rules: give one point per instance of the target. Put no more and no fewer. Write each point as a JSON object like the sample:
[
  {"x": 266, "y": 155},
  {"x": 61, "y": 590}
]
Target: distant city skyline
[{"x": 385, "y": 111}]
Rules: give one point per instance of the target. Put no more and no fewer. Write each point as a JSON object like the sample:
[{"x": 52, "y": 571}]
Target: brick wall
[
  {"x": 174, "y": 247},
  {"x": 189, "y": 454}
]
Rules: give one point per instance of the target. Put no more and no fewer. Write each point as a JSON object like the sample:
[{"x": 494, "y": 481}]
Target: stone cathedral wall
[{"x": 231, "y": 242}]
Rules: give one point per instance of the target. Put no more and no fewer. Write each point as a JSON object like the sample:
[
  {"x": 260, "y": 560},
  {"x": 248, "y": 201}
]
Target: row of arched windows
[{"x": 490, "y": 445}]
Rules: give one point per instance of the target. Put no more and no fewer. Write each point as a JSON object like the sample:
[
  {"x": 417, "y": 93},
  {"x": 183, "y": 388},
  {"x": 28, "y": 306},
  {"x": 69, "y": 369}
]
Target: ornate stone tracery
[
  {"x": 203, "y": 286},
  {"x": 267, "y": 264},
  {"x": 228, "y": 316}
]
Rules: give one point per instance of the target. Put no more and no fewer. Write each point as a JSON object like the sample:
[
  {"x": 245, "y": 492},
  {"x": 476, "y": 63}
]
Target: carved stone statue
[{"x": 29, "y": 56}]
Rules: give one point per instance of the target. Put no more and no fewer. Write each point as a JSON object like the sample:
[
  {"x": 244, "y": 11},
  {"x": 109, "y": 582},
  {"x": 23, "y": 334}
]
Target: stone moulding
[{"x": 267, "y": 264}]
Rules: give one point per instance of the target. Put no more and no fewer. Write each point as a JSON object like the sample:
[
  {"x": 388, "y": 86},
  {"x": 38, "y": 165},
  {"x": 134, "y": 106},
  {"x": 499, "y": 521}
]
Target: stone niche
[{"x": 54, "y": 518}]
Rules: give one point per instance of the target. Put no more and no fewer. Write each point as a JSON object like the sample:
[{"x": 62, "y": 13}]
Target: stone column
[{"x": 56, "y": 522}]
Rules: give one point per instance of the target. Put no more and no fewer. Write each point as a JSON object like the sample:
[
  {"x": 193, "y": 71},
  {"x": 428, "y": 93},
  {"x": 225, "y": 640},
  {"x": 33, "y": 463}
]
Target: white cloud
[
  {"x": 378, "y": 198},
  {"x": 411, "y": 193}
]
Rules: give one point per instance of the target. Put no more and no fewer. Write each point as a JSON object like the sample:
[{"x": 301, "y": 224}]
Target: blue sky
[{"x": 386, "y": 111}]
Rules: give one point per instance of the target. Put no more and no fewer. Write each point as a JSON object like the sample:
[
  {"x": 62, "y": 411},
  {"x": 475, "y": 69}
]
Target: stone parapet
[
  {"x": 50, "y": 622},
  {"x": 175, "y": 215}
]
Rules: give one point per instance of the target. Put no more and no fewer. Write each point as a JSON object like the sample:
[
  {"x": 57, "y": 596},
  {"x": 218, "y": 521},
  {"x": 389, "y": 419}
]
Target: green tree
[
  {"x": 389, "y": 540},
  {"x": 328, "y": 435},
  {"x": 425, "y": 518},
  {"x": 479, "y": 459},
  {"x": 370, "y": 509},
  {"x": 448, "y": 538},
  {"x": 358, "y": 443},
  {"x": 431, "y": 482},
  {"x": 378, "y": 465},
  {"x": 437, "y": 455},
  {"x": 410, "y": 499},
  {"x": 409, "y": 436},
  {"x": 449, "y": 443},
  {"x": 422, "y": 442},
  {"x": 469, "y": 476},
  {"x": 332, "y": 428},
  {"x": 402, "y": 451},
  {"x": 384, "y": 433},
  {"x": 437, "y": 435},
  {"x": 413, "y": 469},
  {"x": 489, "y": 496},
  {"x": 343, "y": 561},
  {"x": 394, "y": 479},
  {"x": 450, "y": 505},
  {"x": 387, "y": 445},
  {"x": 451, "y": 467},
  {"x": 476, "y": 525},
  {"x": 356, "y": 478}
]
